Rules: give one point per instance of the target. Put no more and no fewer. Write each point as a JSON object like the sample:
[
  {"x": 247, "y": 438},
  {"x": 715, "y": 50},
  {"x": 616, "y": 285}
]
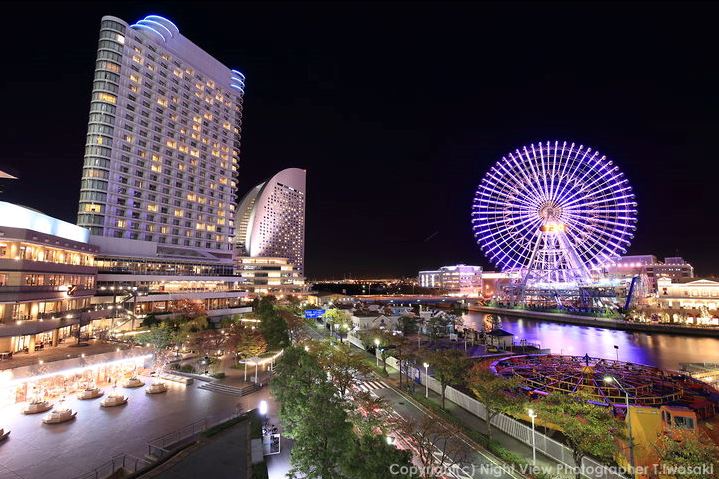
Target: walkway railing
[
  {"x": 165, "y": 444},
  {"x": 126, "y": 463}
]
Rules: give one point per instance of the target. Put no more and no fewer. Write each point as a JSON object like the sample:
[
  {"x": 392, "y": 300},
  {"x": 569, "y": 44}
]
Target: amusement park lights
[{"x": 555, "y": 211}]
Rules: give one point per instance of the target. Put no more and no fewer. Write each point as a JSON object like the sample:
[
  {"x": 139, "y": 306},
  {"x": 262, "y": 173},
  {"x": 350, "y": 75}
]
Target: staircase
[{"x": 229, "y": 390}]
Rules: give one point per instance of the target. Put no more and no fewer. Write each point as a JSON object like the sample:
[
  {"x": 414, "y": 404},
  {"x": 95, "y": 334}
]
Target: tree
[
  {"x": 313, "y": 414},
  {"x": 404, "y": 352},
  {"x": 589, "y": 430},
  {"x": 438, "y": 325},
  {"x": 695, "y": 457},
  {"x": 264, "y": 306},
  {"x": 247, "y": 342},
  {"x": 498, "y": 394},
  {"x": 295, "y": 324},
  {"x": 342, "y": 365},
  {"x": 272, "y": 326},
  {"x": 385, "y": 347},
  {"x": 449, "y": 366},
  {"x": 408, "y": 324},
  {"x": 369, "y": 415},
  {"x": 339, "y": 321},
  {"x": 208, "y": 341},
  {"x": 160, "y": 338},
  {"x": 372, "y": 458},
  {"x": 434, "y": 443}
]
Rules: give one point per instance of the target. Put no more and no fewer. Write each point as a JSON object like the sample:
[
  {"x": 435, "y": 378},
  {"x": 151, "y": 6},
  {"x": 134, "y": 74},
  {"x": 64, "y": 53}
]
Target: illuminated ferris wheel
[{"x": 554, "y": 212}]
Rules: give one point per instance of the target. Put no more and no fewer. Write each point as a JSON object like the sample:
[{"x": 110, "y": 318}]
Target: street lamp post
[
  {"x": 612, "y": 379},
  {"x": 616, "y": 349},
  {"x": 533, "y": 415},
  {"x": 426, "y": 380},
  {"x": 376, "y": 350}
]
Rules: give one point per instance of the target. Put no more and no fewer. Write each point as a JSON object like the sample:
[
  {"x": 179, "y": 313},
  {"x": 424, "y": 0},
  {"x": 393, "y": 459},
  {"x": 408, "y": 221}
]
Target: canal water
[{"x": 654, "y": 349}]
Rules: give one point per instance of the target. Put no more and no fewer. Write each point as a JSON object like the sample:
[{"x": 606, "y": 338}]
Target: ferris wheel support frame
[{"x": 579, "y": 272}]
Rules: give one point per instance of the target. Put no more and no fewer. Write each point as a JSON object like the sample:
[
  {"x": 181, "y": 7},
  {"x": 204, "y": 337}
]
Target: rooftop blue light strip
[
  {"x": 239, "y": 88},
  {"x": 241, "y": 80},
  {"x": 139, "y": 25},
  {"x": 158, "y": 17},
  {"x": 159, "y": 25},
  {"x": 238, "y": 73}
]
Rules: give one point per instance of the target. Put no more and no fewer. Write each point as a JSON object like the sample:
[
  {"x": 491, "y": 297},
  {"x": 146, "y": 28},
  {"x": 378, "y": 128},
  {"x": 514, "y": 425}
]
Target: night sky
[{"x": 396, "y": 110}]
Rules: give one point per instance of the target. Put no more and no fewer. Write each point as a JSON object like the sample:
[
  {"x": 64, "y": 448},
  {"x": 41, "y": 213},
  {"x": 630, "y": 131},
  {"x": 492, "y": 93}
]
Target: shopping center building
[{"x": 47, "y": 279}]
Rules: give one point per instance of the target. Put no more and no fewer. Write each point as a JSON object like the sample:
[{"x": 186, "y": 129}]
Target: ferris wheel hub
[{"x": 550, "y": 211}]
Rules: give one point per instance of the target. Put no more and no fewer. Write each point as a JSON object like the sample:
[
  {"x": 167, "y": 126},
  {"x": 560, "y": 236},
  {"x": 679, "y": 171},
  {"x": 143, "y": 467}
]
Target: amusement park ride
[{"x": 557, "y": 213}]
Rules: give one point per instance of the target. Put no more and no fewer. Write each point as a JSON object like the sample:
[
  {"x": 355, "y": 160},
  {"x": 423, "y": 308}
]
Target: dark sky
[{"x": 396, "y": 110}]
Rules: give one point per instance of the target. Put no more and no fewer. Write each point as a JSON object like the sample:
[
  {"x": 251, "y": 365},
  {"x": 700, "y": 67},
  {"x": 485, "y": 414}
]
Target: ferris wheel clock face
[{"x": 555, "y": 210}]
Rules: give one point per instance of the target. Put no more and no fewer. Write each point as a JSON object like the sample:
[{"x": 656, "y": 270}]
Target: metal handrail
[{"x": 125, "y": 462}]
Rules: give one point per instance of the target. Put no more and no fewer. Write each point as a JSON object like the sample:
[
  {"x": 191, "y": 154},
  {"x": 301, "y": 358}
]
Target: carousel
[
  {"x": 114, "y": 399},
  {"x": 607, "y": 382},
  {"x": 156, "y": 388},
  {"x": 37, "y": 405},
  {"x": 90, "y": 392},
  {"x": 133, "y": 382}
]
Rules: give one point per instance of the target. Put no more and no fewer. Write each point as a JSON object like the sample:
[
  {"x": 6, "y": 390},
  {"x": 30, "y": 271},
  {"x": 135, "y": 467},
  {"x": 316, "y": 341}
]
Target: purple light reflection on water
[{"x": 661, "y": 350}]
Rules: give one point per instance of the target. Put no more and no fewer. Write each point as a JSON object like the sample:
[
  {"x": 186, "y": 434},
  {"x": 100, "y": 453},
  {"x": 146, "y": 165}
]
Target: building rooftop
[
  {"x": 499, "y": 332},
  {"x": 16, "y": 216}
]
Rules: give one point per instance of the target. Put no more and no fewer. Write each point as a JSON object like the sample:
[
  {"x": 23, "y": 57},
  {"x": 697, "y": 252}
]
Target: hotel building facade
[
  {"x": 158, "y": 186},
  {"x": 270, "y": 241},
  {"x": 47, "y": 279}
]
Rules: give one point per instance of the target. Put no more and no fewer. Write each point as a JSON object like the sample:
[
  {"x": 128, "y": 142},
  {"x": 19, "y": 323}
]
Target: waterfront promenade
[{"x": 602, "y": 322}]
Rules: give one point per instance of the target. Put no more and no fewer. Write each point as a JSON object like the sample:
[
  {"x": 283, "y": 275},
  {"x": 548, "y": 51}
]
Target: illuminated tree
[
  {"x": 342, "y": 364},
  {"x": 434, "y": 442},
  {"x": 450, "y": 367},
  {"x": 498, "y": 394},
  {"x": 694, "y": 456},
  {"x": 247, "y": 342},
  {"x": 588, "y": 430}
]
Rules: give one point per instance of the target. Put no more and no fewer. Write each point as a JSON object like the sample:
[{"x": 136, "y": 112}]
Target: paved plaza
[{"x": 63, "y": 451}]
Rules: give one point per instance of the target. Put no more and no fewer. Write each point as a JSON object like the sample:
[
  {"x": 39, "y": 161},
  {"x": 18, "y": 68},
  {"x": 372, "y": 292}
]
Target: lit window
[
  {"x": 92, "y": 208},
  {"x": 106, "y": 97},
  {"x": 121, "y": 223}
]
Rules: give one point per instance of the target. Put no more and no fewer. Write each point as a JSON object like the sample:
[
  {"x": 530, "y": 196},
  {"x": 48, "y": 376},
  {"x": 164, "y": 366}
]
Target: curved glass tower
[{"x": 271, "y": 219}]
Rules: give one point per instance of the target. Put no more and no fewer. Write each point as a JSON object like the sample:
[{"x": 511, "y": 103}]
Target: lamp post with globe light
[
  {"x": 376, "y": 350},
  {"x": 426, "y": 380},
  {"x": 612, "y": 380},
  {"x": 533, "y": 415}
]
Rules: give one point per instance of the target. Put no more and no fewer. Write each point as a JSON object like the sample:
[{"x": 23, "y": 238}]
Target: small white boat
[
  {"x": 114, "y": 399},
  {"x": 133, "y": 382},
  {"x": 59, "y": 415},
  {"x": 4, "y": 434},
  {"x": 90, "y": 393},
  {"x": 37, "y": 406},
  {"x": 156, "y": 388}
]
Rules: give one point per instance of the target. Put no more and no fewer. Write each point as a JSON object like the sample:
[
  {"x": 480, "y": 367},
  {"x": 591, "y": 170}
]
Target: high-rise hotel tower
[{"x": 163, "y": 143}]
